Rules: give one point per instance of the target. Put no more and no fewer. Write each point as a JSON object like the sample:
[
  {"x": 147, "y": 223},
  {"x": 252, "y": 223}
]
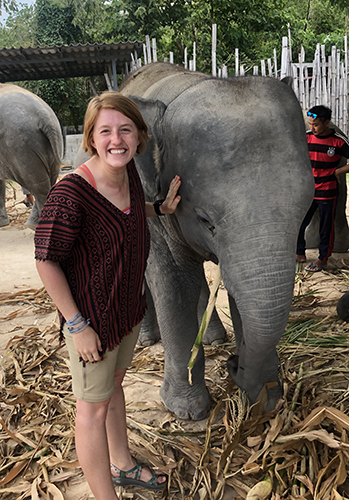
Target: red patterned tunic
[{"x": 102, "y": 251}]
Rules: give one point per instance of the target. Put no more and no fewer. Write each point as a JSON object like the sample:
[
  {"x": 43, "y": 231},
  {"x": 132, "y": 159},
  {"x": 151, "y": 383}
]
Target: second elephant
[{"x": 31, "y": 147}]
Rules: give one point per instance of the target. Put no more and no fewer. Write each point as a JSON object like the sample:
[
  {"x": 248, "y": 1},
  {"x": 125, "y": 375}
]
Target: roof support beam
[{"x": 115, "y": 82}]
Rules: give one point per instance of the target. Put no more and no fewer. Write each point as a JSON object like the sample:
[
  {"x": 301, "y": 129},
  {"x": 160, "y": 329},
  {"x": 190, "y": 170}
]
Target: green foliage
[
  {"x": 18, "y": 30},
  {"x": 54, "y": 24},
  {"x": 342, "y": 4},
  {"x": 7, "y": 6},
  {"x": 67, "y": 97}
]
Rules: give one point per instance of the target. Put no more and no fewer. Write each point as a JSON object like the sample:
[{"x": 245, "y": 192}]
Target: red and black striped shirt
[
  {"x": 325, "y": 155},
  {"x": 103, "y": 252}
]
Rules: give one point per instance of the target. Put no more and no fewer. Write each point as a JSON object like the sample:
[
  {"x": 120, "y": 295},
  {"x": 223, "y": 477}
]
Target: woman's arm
[
  {"x": 87, "y": 342},
  {"x": 170, "y": 204}
]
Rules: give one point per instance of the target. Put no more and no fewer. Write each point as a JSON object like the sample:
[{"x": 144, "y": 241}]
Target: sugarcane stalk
[{"x": 204, "y": 323}]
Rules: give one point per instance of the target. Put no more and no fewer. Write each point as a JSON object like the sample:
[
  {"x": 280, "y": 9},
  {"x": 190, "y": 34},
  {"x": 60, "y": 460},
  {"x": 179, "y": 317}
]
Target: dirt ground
[{"x": 18, "y": 273}]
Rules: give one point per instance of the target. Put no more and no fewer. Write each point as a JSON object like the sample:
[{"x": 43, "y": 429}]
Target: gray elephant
[
  {"x": 31, "y": 147},
  {"x": 239, "y": 146}
]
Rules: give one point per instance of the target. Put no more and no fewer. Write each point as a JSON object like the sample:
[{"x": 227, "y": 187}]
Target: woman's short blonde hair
[{"x": 121, "y": 103}]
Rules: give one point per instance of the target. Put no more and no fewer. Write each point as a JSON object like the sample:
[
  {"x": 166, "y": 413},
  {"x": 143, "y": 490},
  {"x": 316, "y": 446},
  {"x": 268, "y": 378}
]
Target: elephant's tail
[{"x": 51, "y": 129}]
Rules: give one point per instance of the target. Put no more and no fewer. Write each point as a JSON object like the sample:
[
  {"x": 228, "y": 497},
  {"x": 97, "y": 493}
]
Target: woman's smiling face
[{"x": 115, "y": 138}]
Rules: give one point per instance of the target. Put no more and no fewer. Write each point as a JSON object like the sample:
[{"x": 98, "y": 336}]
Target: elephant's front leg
[
  {"x": 174, "y": 276},
  {"x": 150, "y": 333},
  {"x": 4, "y": 220}
]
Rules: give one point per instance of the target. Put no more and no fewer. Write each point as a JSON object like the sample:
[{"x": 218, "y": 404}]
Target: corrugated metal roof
[{"x": 64, "y": 61}]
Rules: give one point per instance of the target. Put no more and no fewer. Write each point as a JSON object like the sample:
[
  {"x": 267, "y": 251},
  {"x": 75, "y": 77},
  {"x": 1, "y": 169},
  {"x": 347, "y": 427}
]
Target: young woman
[{"x": 91, "y": 246}]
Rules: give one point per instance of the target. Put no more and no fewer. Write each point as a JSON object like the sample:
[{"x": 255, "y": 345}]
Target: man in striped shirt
[{"x": 326, "y": 149}]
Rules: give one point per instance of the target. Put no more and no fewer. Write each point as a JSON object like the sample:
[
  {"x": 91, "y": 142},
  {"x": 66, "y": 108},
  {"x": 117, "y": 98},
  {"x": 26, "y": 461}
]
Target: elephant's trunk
[{"x": 258, "y": 273}]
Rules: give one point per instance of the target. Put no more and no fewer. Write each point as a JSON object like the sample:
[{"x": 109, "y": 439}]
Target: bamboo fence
[{"x": 323, "y": 81}]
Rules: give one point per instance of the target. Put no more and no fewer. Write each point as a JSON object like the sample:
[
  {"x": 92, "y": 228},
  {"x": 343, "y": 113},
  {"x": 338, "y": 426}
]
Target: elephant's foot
[
  {"x": 215, "y": 335},
  {"x": 187, "y": 403},
  {"x": 32, "y": 222},
  {"x": 4, "y": 221},
  {"x": 30, "y": 225},
  {"x": 148, "y": 336},
  {"x": 254, "y": 388}
]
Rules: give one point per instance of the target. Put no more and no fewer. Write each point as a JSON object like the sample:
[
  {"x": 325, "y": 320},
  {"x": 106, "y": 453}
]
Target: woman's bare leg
[
  {"x": 120, "y": 454},
  {"x": 92, "y": 447}
]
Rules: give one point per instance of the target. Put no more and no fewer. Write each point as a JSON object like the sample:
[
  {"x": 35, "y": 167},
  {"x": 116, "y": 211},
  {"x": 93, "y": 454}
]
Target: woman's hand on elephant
[
  {"x": 173, "y": 198},
  {"x": 88, "y": 345}
]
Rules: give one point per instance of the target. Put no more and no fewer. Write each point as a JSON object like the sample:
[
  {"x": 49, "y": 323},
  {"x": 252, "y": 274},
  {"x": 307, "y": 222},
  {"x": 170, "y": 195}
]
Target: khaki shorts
[{"x": 94, "y": 382}]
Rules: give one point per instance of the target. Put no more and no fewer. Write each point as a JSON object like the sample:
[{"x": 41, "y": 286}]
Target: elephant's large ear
[
  {"x": 148, "y": 163},
  {"x": 288, "y": 81},
  {"x": 152, "y": 112}
]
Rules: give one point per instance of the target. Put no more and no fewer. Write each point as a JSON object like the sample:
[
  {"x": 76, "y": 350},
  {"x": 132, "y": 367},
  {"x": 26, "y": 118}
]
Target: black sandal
[{"x": 123, "y": 480}]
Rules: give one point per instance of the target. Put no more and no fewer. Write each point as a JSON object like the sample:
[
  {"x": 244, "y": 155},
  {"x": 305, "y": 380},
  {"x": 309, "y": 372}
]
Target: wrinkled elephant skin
[
  {"x": 239, "y": 146},
  {"x": 31, "y": 147}
]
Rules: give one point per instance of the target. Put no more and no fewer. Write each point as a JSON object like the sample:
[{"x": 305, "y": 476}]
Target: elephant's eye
[{"x": 205, "y": 220}]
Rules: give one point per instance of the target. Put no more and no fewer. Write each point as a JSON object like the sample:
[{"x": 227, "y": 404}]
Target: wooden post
[
  {"x": 147, "y": 41},
  {"x": 214, "y": 45},
  {"x": 284, "y": 57},
  {"x": 132, "y": 64},
  {"x": 324, "y": 95},
  {"x": 153, "y": 42},
  {"x": 289, "y": 50},
  {"x": 329, "y": 81},
  {"x": 341, "y": 95},
  {"x": 317, "y": 75},
  {"x": 275, "y": 64},
  {"x": 92, "y": 85},
  {"x": 338, "y": 73},
  {"x": 171, "y": 57},
  {"x": 255, "y": 70},
  {"x": 115, "y": 82},
  {"x": 270, "y": 68},
  {"x": 301, "y": 80},
  {"x": 185, "y": 58},
  {"x": 236, "y": 62},
  {"x": 194, "y": 56},
  {"x": 263, "y": 72},
  {"x": 295, "y": 80},
  {"x": 333, "y": 83},
  {"x": 145, "y": 54},
  {"x": 306, "y": 80},
  {"x": 106, "y": 76}
]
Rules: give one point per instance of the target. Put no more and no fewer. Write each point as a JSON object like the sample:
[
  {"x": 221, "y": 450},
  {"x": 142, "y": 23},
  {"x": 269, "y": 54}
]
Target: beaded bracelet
[
  {"x": 78, "y": 323},
  {"x": 74, "y": 321},
  {"x": 80, "y": 328}
]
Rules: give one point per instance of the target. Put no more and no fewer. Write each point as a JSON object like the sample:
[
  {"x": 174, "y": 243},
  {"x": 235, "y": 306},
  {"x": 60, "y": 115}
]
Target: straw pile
[{"x": 300, "y": 450}]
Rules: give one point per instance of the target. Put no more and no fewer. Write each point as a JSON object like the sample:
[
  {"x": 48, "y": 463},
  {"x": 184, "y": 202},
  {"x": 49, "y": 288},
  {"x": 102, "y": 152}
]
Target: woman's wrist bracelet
[
  {"x": 78, "y": 323},
  {"x": 80, "y": 327},
  {"x": 74, "y": 321}
]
